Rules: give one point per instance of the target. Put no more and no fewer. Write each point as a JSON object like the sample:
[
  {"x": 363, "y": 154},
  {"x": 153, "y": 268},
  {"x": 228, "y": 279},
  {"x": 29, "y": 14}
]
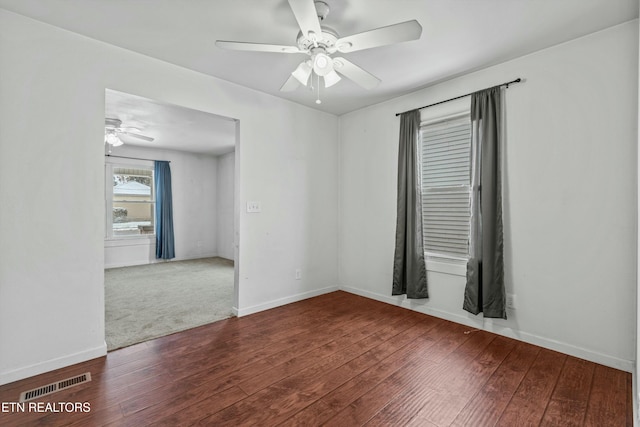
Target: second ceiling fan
[
  {"x": 320, "y": 42},
  {"x": 113, "y": 130}
]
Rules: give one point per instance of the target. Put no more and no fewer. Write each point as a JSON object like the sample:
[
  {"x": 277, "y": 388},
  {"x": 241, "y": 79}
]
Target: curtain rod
[
  {"x": 518, "y": 80},
  {"x": 132, "y": 158}
]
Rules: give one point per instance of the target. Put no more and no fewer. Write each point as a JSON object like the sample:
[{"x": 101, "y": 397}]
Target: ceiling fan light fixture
[
  {"x": 302, "y": 73},
  {"x": 331, "y": 78},
  {"x": 112, "y": 139},
  {"x": 322, "y": 64}
]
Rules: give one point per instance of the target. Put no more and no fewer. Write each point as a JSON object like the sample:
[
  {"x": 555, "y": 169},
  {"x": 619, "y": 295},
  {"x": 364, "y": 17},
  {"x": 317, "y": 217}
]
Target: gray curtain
[
  {"x": 484, "y": 291},
  {"x": 409, "y": 270}
]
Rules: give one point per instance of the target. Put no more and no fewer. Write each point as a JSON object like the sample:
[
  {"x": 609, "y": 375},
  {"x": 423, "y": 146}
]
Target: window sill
[
  {"x": 129, "y": 240},
  {"x": 453, "y": 266}
]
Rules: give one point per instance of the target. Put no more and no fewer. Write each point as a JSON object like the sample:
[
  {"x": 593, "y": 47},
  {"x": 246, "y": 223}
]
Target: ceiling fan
[
  {"x": 320, "y": 42},
  {"x": 113, "y": 129}
]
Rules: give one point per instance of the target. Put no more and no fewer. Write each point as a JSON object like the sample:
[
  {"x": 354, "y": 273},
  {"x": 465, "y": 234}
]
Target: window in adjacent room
[
  {"x": 446, "y": 151},
  {"x": 130, "y": 198}
]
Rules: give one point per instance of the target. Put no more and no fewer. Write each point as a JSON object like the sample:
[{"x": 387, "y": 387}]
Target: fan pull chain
[{"x": 318, "y": 85}]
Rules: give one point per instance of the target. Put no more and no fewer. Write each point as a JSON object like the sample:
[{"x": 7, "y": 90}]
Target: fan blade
[
  {"x": 257, "y": 47},
  {"x": 402, "y": 32},
  {"x": 128, "y": 129},
  {"x": 355, "y": 73},
  {"x": 290, "y": 85},
  {"x": 306, "y": 15},
  {"x": 135, "y": 135}
]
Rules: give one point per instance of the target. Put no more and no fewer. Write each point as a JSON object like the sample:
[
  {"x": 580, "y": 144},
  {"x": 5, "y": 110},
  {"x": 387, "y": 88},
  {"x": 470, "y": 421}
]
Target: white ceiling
[
  {"x": 458, "y": 36},
  {"x": 172, "y": 127}
]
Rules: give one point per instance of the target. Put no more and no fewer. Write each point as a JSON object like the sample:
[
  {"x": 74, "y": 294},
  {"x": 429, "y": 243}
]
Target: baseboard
[
  {"x": 488, "y": 325},
  {"x": 159, "y": 261},
  {"x": 128, "y": 264},
  {"x": 403, "y": 302},
  {"x": 53, "y": 364},
  {"x": 282, "y": 301}
]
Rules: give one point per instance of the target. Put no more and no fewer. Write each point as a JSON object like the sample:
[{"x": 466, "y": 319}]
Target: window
[
  {"x": 130, "y": 200},
  {"x": 446, "y": 151}
]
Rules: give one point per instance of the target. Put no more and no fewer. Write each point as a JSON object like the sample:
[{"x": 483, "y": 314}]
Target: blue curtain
[{"x": 164, "y": 211}]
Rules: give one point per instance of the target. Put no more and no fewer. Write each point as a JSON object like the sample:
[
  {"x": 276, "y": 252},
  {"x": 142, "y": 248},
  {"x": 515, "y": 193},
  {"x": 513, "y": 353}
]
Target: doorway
[{"x": 145, "y": 297}]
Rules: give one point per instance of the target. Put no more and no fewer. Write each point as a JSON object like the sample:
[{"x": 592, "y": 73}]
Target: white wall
[
  {"x": 195, "y": 209},
  {"x": 570, "y": 224},
  {"x": 225, "y": 200},
  {"x": 51, "y": 258},
  {"x": 636, "y": 387}
]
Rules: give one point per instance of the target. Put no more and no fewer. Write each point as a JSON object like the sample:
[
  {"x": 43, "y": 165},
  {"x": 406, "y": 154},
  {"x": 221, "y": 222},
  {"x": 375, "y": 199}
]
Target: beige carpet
[{"x": 150, "y": 301}]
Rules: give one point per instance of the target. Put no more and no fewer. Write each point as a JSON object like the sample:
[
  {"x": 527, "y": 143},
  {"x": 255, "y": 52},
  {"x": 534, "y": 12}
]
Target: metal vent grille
[{"x": 54, "y": 387}]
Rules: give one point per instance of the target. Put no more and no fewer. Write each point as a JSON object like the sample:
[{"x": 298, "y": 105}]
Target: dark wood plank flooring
[{"x": 335, "y": 360}]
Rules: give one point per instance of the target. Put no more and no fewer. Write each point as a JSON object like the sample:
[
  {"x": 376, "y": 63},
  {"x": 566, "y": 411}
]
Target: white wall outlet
[
  {"x": 511, "y": 301},
  {"x": 254, "y": 207},
  {"x": 298, "y": 274}
]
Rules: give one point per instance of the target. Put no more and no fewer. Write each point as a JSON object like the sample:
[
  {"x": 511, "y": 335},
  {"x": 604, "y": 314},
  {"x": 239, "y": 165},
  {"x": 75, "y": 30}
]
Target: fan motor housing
[
  {"x": 327, "y": 39},
  {"x": 112, "y": 123}
]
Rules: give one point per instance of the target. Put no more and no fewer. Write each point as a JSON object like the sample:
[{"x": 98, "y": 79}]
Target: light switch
[{"x": 254, "y": 207}]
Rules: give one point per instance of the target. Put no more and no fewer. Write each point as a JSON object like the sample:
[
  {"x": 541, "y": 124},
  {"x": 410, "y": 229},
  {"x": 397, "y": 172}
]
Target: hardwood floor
[{"x": 335, "y": 360}]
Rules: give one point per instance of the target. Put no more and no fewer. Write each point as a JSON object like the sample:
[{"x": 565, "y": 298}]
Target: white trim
[
  {"x": 282, "y": 301},
  {"x": 160, "y": 261},
  {"x": 492, "y": 325},
  {"x": 402, "y": 301},
  {"x": 53, "y": 364},
  {"x": 114, "y": 160},
  {"x": 453, "y": 266},
  {"x": 478, "y": 322},
  {"x": 446, "y": 118},
  {"x": 141, "y": 240}
]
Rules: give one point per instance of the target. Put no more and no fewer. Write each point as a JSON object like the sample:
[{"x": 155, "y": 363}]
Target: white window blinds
[{"x": 446, "y": 151}]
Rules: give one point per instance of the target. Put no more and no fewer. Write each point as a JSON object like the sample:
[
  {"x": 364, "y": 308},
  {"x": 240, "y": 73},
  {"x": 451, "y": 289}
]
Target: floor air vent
[{"x": 54, "y": 387}]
